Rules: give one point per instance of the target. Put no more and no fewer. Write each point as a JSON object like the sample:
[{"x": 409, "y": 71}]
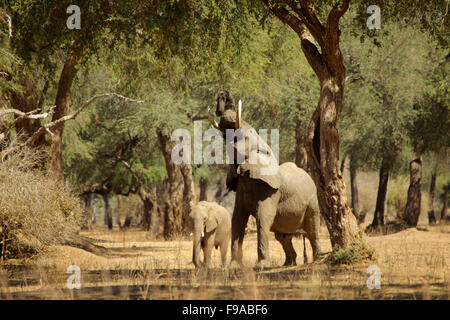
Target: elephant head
[
  {"x": 225, "y": 102},
  {"x": 259, "y": 161},
  {"x": 205, "y": 221}
]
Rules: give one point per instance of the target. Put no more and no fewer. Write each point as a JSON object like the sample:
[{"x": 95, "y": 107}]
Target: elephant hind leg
[
  {"x": 286, "y": 242},
  {"x": 305, "y": 256},
  {"x": 312, "y": 227}
]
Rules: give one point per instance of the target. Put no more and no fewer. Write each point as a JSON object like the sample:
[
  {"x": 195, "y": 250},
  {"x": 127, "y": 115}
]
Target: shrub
[
  {"x": 357, "y": 252},
  {"x": 35, "y": 209}
]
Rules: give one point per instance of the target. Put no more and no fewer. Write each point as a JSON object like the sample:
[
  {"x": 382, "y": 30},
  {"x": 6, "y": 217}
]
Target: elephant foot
[
  {"x": 235, "y": 265},
  {"x": 290, "y": 263},
  {"x": 262, "y": 264}
]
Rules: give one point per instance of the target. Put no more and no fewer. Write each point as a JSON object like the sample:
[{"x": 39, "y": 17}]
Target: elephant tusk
[
  {"x": 211, "y": 119},
  {"x": 238, "y": 115}
]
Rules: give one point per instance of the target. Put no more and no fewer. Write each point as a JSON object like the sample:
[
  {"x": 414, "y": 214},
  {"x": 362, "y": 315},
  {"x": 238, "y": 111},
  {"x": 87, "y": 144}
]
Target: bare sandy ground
[{"x": 414, "y": 264}]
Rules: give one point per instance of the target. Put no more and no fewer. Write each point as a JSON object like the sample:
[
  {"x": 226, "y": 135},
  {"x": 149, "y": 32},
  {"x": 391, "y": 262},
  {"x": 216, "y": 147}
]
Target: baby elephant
[{"x": 212, "y": 227}]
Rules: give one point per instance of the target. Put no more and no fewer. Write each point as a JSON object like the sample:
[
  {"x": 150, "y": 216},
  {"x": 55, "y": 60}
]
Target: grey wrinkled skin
[
  {"x": 212, "y": 228},
  {"x": 284, "y": 203}
]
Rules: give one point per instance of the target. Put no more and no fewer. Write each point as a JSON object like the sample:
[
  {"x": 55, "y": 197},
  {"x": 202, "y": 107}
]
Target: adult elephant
[{"x": 283, "y": 201}]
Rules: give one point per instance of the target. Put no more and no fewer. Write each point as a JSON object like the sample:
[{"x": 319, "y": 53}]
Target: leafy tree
[
  {"x": 42, "y": 39},
  {"x": 384, "y": 81},
  {"x": 320, "y": 42},
  {"x": 429, "y": 134}
]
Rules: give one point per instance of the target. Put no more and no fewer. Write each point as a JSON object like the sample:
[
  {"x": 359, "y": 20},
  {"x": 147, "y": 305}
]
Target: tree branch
[
  {"x": 331, "y": 47},
  {"x": 311, "y": 20},
  {"x": 22, "y": 115},
  {"x": 72, "y": 116},
  {"x": 28, "y": 115},
  {"x": 5, "y": 75},
  {"x": 284, "y": 15},
  {"x": 303, "y": 26},
  {"x": 8, "y": 21},
  {"x": 336, "y": 14},
  {"x": 53, "y": 124}
]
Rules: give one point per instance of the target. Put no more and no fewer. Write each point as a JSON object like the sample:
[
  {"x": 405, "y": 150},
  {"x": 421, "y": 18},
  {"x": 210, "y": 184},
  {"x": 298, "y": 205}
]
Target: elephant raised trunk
[
  {"x": 198, "y": 238},
  {"x": 225, "y": 102}
]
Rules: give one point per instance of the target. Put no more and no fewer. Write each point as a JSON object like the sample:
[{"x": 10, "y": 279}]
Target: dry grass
[
  {"x": 414, "y": 265},
  {"x": 35, "y": 210}
]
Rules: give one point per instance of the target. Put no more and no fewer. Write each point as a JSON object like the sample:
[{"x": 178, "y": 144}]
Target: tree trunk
[
  {"x": 431, "y": 215},
  {"x": 5, "y": 135},
  {"x": 323, "y": 161},
  {"x": 445, "y": 204},
  {"x": 173, "y": 209},
  {"x": 203, "y": 189},
  {"x": 62, "y": 106},
  {"x": 354, "y": 190},
  {"x": 189, "y": 196},
  {"x": 378, "y": 217},
  {"x": 86, "y": 223},
  {"x": 301, "y": 157},
  {"x": 108, "y": 216},
  {"x": 127, "y": 222},
  {"x": 323, "y": 139},
  {"x": 222, "y": 191},
  {"x": 343, "y": 163},
  {"x": 3, "y": 233},
  {"x": 150, "y": 207},
  {"x": 413, "y": 202}
]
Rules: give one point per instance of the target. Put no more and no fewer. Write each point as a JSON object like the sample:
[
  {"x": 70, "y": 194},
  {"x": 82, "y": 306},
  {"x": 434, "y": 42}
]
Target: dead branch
[
  {"x": 73, "y": 116},
  {"x": 11, "y": 56},
  {"x": 23, "y": 115},
  {"x": 53, "y": 124},
  {"x": 8, "y": 21}
]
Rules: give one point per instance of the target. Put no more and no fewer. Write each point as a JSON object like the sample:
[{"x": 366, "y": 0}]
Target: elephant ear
[
  {"x": 211, "y": 223},
  {"x": 232, "y": 178},
  {"x": 262, "y": 172}
]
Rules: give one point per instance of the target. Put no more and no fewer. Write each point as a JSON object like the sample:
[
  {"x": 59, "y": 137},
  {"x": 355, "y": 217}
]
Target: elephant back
[{"x": 297, "y": 182}]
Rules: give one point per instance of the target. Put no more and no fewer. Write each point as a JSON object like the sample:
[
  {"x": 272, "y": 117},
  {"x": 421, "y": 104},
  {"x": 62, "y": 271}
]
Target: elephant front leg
[
  {"x": 207, "y": 249},
  {"x": 238, "y": 224},
  {"x": 264, "y": 219}
]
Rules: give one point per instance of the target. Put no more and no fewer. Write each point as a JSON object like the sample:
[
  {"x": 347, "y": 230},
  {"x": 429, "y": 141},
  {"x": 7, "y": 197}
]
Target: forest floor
[{"x": 414, "y": 264}]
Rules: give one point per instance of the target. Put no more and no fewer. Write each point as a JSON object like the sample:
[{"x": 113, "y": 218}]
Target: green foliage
[
  {"x": 177, "y": 55},
  {"x": 357, "y": 252},
  {"x": 429, "y": 130},
  {"x": 384, "y": 83},
  {"x": 431, "y": 17}
]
